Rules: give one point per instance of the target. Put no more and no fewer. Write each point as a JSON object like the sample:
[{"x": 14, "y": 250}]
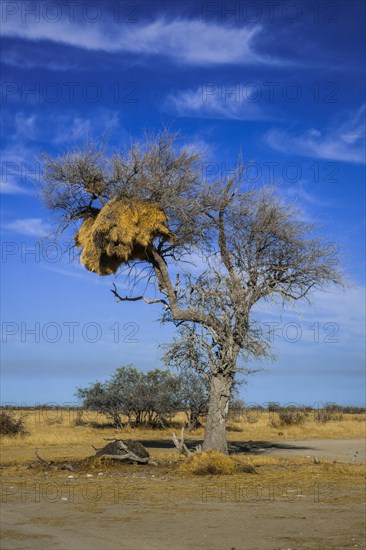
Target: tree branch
[
  {"x": 191, "y": 314},
  {"x": 119, "y": 298}
]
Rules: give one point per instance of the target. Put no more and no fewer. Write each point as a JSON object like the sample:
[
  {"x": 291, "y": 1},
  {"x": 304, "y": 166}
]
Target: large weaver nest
[{"x": 118, "y": 233}]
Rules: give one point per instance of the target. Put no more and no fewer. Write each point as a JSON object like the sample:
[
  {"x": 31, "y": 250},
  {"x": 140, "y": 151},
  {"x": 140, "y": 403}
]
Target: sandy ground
[
  {"x": 215, "y": 515},
  {"x": 342, "y": 450},
  {"x": 184, "y": 525}
]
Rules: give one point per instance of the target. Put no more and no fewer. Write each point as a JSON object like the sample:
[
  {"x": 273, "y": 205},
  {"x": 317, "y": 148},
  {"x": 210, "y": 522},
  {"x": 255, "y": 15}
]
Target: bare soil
[
  {"x": 341, "y": 450},
  {"x": 146, "y": 508}
]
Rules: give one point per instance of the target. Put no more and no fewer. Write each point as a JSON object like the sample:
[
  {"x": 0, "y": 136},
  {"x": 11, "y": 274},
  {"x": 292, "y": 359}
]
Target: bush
[
  {"x": 353, "y": 410},
  {"x": 10, "y": 425},
  {"x": 291, "y": 417},
  {"x": 213, "y": 463},
  {"x": 79, "y": 420},
  {"x": 273, "y": 407},
  {"x": 330, "y": 412}
]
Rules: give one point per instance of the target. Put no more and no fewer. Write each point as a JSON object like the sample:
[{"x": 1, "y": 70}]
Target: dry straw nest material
[{"x": 121, "y": 231}]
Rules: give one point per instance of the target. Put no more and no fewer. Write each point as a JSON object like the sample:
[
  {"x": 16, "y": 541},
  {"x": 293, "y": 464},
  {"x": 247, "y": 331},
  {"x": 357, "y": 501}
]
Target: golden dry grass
[
  {"x": 264, "y": 425},
  {"x": 54, "y": 434},
  {"x": 213, "y": 463},
  {"x": 52, "y": 428}
]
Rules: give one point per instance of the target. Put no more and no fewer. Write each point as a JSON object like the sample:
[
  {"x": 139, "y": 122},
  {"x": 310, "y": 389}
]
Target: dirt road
[
  {"x": 149, "y": 511},
  {"x": 184, "y": 525},
  {"x": 341, "y": 450}
]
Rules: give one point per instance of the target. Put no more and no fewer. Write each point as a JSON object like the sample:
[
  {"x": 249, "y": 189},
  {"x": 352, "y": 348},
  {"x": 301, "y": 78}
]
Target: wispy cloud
[
  {"x": 25, "y": 126},
  {"x": 346, "y": 307},
  {"x": 68, "y": 129},
  {"x": 31, "y": 227},
  {"x": 299, "y": 193},
  {"x": 342, "y": 141},
  {"x": 218, "y": 101},
  {"x": 186, "y": 41},
  {"x": 9, "y": 186},
  {"x": 59, "y": 128},
  {"x": 28, "y": 132},
  {"x": 17, "y": 59},
  {"x": 332, "y": 325},
  {"x": 19, "y": 169}
]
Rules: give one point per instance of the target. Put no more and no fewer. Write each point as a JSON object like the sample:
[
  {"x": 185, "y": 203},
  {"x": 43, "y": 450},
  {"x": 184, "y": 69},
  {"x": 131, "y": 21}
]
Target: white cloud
[
  {"x": 298, "y": 192},
  {"x": 343, "y": 141},
  {"x": 212, "y": 100},
  {"x": 9, "y": 186},
  {"x": 64, "y": 128},
  {"x": 300, "y": 195},
  {"x": 32, "y": 227},
  {"x": 25, "y": 125},
  {"x": 68, "y": 129},
  {"x": 191, "y": 42},
  {"x": 19, "y": 168},
  {"x": 17, "y": 59},
  {"x": 345, "y": 309}
]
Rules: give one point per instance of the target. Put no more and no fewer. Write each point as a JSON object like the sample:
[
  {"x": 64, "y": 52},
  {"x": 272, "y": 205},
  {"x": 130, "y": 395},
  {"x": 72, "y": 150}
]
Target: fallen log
[{"x": 127, "y": 450}]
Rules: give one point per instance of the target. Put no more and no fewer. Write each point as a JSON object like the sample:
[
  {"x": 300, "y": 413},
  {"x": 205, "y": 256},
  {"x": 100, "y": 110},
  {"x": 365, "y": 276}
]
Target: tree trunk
[
  {"x": 193, "y": 420},
  {"x": 117, "y": 421},
  {"x": 215, "y": 431}
]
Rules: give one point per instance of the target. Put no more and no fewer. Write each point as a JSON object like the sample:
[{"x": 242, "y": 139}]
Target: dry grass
[
  {"x": 264, "y": 425},
  {"x": 55, "y": 428},
  {"x": 278, "y": 478},
  {"x": 213, "y": 463},
  {"x": 54, "y": 433}
]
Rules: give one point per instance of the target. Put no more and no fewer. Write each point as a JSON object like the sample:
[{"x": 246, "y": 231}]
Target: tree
[
  {"x": 114, "y": 397},
  {"x": 151, "y": 398},
  {"x": 194, "y": 392},
  {"x": 251, "y": 246},
  {"x": 159, "y": 397},
  {"x": 97, "y": 398}
]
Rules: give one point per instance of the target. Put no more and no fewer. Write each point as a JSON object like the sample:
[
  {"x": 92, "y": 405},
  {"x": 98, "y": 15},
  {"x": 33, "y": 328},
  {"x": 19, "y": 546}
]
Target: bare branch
[
  {"x": 137, "y": 298},
  {"x": 50, "y": 464},
  {"x": 181, "y": 446}
]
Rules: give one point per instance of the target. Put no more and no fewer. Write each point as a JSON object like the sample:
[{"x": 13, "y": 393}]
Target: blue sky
[{"x": 284, "y": 82}]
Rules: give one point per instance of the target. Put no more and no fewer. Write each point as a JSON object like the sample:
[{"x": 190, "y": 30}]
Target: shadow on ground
[
  {"x": 259, "y": 447},
  {"x": 244, "y": 447}
]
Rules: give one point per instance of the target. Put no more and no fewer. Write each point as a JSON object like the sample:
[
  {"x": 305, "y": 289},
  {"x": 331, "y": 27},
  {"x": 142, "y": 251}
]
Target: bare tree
[{"x": 250, "y": 246}]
